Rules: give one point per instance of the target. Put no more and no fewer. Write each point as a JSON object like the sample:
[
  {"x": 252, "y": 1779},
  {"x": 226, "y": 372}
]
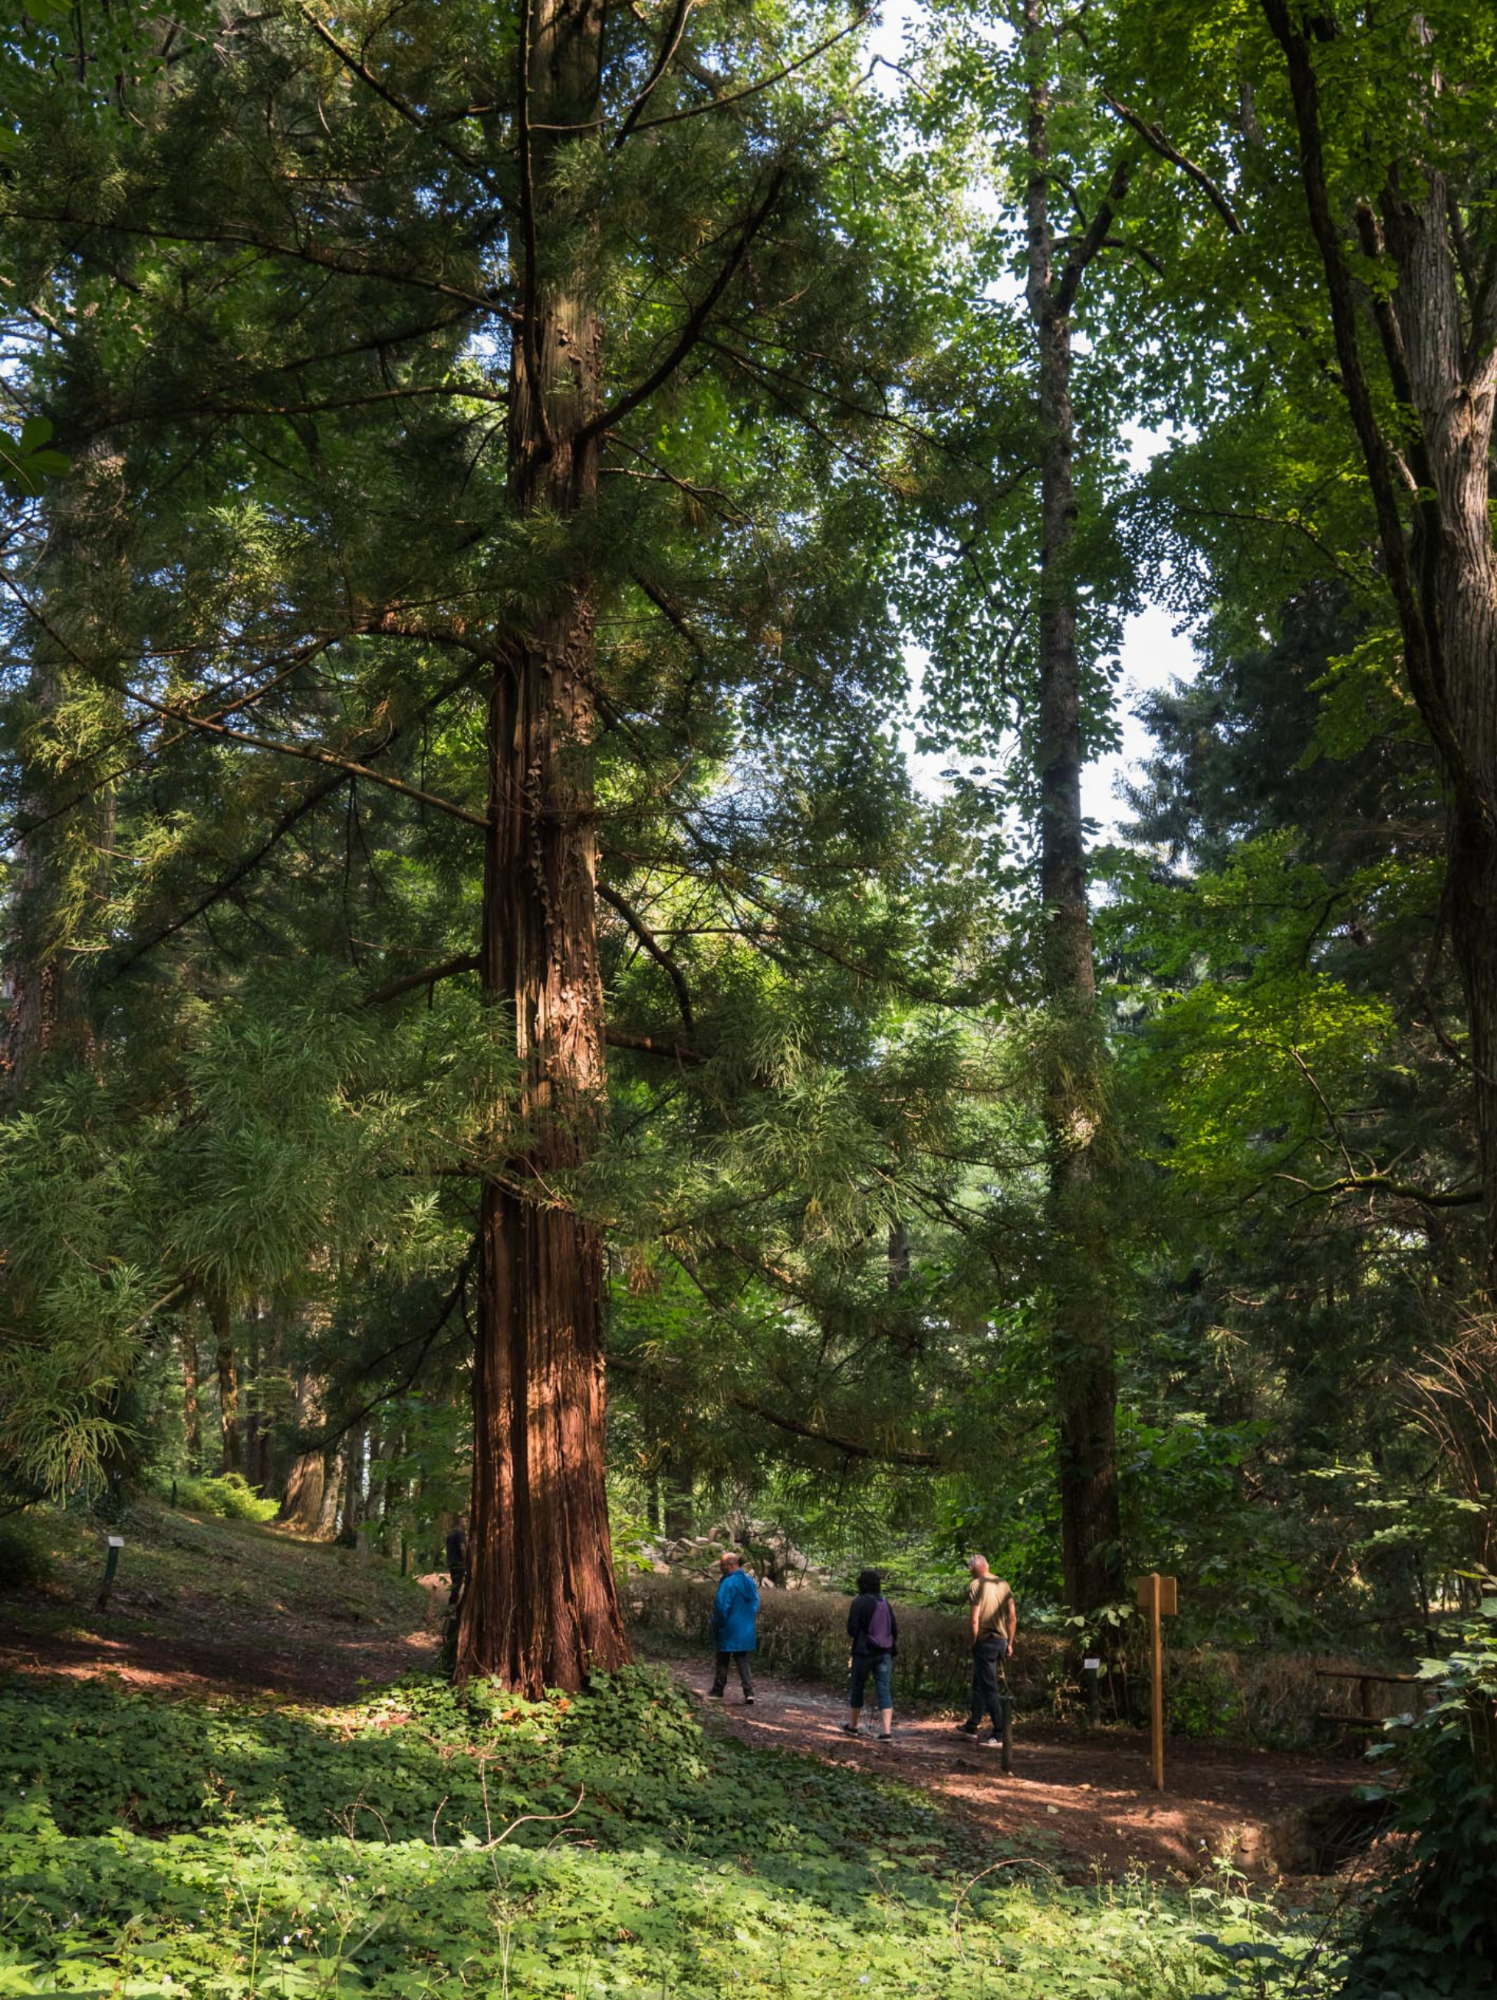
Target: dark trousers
[
  {"x": 986, "y": 1657},
  {"x": 745, "y": 1672}
]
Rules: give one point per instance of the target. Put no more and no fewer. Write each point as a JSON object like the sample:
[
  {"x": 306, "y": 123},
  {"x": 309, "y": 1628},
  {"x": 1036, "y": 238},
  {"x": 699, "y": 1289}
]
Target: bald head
[
  {"x": 729, "y": 1561},
  {"x": 978, "y": 1565}
]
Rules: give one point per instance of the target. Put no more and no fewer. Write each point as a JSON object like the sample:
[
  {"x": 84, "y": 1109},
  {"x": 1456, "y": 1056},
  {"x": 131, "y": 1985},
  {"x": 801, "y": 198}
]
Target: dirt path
[
  {"x": 207, "y": 1607},
  {"x": 1078, "y": 1802}
]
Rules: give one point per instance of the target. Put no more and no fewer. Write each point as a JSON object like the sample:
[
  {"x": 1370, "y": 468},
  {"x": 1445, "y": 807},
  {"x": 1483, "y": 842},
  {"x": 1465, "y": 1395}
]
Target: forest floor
[
  {"x": 1082, "y": 1802},
  {"x": 203, "y": 1606}
]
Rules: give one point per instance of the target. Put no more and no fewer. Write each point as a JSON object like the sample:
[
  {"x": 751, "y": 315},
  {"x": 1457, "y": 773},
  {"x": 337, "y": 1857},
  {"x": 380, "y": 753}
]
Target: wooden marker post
[{"x": 1159, "y": 1596}]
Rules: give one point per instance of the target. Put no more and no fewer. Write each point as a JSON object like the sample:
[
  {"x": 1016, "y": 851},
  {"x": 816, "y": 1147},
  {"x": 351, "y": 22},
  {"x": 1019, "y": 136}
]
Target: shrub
[
  {"x": 1433, "y": 1930},
  {"x": 229, "y": 1496},
  {"x": 24, "y": 1556}
]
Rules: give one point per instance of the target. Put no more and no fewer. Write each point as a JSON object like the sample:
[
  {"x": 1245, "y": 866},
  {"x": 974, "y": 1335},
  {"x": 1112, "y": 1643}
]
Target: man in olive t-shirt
[{"x": 995, "y": 1625}]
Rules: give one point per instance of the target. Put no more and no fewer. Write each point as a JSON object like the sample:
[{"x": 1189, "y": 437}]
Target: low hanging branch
[
  {"x": 850, "y": 1447},
  {"x": 652, "y": 946}
]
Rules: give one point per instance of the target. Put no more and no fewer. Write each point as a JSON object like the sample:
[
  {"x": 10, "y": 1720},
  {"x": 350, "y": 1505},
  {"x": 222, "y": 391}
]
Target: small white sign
[
  {"x": 116, "y": 1541},
  {"x": 1092, "y": 1666}
]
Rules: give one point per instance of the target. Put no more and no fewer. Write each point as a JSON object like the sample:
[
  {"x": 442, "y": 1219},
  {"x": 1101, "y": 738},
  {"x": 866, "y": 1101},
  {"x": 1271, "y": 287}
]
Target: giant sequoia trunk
[
  {"x": 540, "y": 1608},
  {"x": 1083, "y": 1363},
  {"x": 1433, "y": 304}
]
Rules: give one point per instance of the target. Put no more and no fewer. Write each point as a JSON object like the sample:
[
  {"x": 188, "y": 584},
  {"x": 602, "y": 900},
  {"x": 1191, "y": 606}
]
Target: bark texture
[
  {"x": 1434, "y": 331},
  {"x": 540, "y": 1608},
  {"x": 301, "y": 1507},
  {"x": 232, "y": 1455},
  {"x": 1082, "y": 1339}
]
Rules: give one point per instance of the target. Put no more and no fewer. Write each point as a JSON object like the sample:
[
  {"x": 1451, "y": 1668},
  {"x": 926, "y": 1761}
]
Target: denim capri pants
[{"x": 881, "y": 1666}]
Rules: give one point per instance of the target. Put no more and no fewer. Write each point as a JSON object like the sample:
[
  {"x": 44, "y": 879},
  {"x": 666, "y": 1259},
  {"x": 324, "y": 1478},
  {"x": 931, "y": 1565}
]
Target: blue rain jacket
[{"x": 734, "y": 1611}]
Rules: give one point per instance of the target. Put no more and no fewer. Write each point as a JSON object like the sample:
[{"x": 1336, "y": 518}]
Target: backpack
[{"x": 881, "y": 1627}]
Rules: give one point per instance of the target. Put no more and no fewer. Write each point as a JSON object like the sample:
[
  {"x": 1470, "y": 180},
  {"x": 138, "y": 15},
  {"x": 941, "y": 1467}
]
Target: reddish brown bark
[{"x": 539, "y": 1607}]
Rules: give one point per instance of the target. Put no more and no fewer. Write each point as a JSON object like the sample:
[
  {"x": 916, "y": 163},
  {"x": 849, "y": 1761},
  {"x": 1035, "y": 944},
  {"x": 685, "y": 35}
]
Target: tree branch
[
  {"x": 750, "y": 90},
  {"x": 850, "y": 1447},
  {"x": 691, "y": 332},
  {"x": 668, "y": 48},
  {"x": 465, "y": 961},
  {"x": 1096, "y": 235},
  {"x": 1154, "y": 138},
  {"x": 647, "y": 1045},
  {"x": 308, "y": 755},
  {"x": 656, "y": 950}
]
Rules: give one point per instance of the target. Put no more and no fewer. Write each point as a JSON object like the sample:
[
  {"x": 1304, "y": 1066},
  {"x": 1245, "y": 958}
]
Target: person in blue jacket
[{"x": 735, "y": 1611}]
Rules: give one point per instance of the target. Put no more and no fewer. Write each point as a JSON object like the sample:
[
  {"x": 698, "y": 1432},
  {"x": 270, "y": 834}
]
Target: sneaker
[
  {"x": 847, "y": 1729},
  {"x": 964, "y": 1729},
  {"x": 993, "y": 1743},
  {"x": 748, "y": 1701},
  {"x": 716, "y": 1693}
]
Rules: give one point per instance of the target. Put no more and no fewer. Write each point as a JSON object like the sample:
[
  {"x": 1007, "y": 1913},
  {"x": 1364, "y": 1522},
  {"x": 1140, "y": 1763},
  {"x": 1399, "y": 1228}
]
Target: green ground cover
[
  {"x": 425, "y": 1842},
  {"x": 189, "y": 1575}
]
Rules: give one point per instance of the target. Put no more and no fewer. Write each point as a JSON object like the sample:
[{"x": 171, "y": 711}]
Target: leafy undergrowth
[{"x": 427, "y": 1842}]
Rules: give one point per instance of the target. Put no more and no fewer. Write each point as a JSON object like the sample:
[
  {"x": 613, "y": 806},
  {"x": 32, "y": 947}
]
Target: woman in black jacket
[{"x": 874, "y": 1631}]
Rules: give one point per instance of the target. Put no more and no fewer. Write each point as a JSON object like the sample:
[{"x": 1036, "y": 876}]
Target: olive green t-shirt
[{"x": 991, "y": 1595}]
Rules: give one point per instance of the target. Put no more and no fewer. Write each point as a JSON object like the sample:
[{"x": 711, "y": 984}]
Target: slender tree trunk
[
  {"x": 353, "y": 1488},
  {"x": 680, "y": 1495},
  {"x": 190, "y": 1411},
  {"x": 1082, "y": 1354},
  {"x": 540, "y": 1608},
  {"x": 249, "y": 1394},
  {"x": 302, "y": 1504},
  {"x": 332, "y": 1493},
  {"x": 232, "y": 1457}
]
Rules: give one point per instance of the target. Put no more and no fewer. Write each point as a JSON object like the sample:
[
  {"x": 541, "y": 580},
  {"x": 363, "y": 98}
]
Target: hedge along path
[{"x": 1078, "y": 1803}]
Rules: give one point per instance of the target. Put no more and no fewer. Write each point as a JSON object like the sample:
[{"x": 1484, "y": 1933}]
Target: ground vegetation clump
[{"x": 424, "y": 1841}]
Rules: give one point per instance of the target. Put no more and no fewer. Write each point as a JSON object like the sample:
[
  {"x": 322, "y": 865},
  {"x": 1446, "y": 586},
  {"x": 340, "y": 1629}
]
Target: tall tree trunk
[
  {"x": 353, "y": 1488},
  {"x": 232, "y": 1456},
  {"x": 680, "y": 1494},
  {"x": 249, "y": 1393},
  {"x": 301, "y": 1507},
  {"x": 1433, "y": 306},
  {"x": 1082, "y": 1353},
  {"x": 540, "y": 1608},
  {"x": 190, "y": 1411},
  {"x": 332, "y": 1493}
]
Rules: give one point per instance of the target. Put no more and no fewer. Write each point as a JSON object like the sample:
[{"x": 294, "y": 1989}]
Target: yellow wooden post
[{"x": 1159, "y": 1597}]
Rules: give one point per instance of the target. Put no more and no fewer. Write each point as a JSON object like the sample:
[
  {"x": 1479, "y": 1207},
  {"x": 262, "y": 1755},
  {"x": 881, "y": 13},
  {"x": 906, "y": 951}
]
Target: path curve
[{"x": 1081, "y": 1802}]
